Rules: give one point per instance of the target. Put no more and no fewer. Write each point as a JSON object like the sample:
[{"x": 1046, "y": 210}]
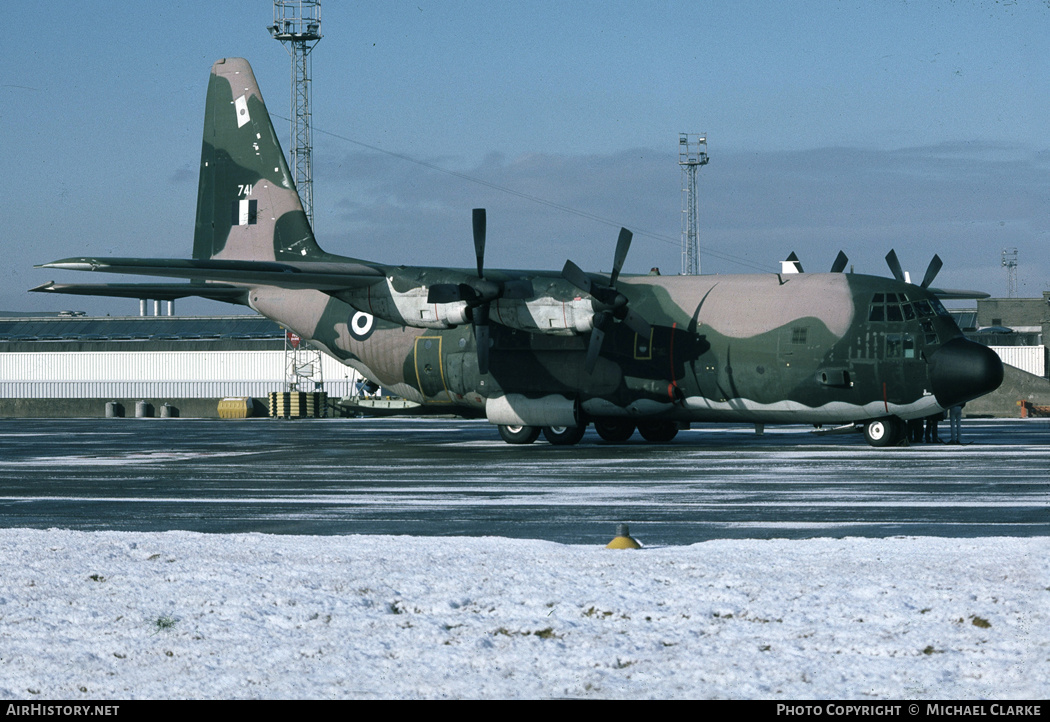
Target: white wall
[
  {"x": 173, "y": 374},
  {"x": 1027, "y": 358}
]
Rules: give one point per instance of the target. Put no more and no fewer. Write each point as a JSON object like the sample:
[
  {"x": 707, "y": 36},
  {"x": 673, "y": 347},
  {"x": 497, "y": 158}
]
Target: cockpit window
[{"x": 898, "y": 308}]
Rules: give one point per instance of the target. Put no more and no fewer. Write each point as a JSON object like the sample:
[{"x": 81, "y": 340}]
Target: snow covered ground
[{"x": 94, "y": 615}]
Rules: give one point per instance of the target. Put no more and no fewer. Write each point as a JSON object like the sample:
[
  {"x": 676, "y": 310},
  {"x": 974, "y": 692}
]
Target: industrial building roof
[{"x": 121, "y": 333}]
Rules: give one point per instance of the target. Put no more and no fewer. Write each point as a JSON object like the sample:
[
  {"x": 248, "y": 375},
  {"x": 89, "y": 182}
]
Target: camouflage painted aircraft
[{"x": 553, "y": 352}]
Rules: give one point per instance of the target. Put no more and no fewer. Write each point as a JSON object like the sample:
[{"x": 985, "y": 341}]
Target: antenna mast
[
  {"x": 297, "y": 24},
  {"x": 1010, "y": 264},
  {"x": 692, "y": 153}
]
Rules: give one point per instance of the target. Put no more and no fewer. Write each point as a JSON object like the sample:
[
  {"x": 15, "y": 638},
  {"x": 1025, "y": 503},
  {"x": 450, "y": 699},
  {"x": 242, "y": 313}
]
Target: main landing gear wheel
[
  {"x": 658, "y": 432},
  {"x": 615, "y": 431},
  {"x": 884, "y": 432},
  {"x": 564, "y": 435},
  {"x": 519, "y": 434}
]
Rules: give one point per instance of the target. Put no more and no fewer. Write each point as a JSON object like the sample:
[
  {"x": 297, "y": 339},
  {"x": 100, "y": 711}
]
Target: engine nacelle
[
  {"x": 545, "y": 315},
  {"x": 406, "y": 308}
]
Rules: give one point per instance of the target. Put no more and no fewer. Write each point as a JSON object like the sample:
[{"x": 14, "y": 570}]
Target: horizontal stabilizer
[
  {"x": 320, "y": 275},
  {"x": 157, "y": 291}
]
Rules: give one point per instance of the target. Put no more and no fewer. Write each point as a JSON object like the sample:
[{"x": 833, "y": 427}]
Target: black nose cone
[{"x": 961, "y": 370}]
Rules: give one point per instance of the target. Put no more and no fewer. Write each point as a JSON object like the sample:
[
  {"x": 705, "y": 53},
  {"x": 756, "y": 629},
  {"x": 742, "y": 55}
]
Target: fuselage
[{"x": 824, "y": 348}]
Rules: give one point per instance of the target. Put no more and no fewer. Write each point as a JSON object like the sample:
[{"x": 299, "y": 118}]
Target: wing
[{"x": 957, "y": 294}]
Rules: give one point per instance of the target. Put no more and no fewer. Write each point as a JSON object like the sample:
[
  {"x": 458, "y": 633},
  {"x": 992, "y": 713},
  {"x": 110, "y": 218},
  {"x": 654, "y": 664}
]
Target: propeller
[
  {"x": 931, "y": 271},
  {"x": 479, "y": 294},
  {"x": 610, "y": 304},
  {"x": 477, "y": 218},
  {"x": 895, "y": 266},
  {"x": 840, "y": 263}
]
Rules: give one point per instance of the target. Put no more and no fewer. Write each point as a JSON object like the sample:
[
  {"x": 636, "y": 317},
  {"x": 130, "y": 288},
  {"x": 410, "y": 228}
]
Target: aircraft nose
[{"x": 961, "y": 370}]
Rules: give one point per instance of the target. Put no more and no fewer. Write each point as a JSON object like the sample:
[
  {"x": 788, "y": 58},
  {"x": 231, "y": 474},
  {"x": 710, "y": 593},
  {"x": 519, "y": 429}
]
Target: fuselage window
[
  {"x": 929, "y": 335},
  {"x": 798, "y": 336}
]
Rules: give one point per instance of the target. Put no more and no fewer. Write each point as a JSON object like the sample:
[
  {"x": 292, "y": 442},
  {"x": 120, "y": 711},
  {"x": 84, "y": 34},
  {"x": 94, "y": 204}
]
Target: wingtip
[{"x": 72, "y": 264}]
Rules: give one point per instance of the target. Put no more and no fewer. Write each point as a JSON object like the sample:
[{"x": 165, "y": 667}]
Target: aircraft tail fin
[{"x": 247, "y": 204}]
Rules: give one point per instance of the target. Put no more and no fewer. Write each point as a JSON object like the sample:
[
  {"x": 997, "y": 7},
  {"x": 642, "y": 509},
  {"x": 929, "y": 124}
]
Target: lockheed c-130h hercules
[{"x": 552, "y": 352}]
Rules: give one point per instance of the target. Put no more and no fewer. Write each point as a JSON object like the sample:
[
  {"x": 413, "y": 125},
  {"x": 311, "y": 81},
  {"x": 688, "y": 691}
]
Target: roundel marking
[{"x": 361, "y": 325}]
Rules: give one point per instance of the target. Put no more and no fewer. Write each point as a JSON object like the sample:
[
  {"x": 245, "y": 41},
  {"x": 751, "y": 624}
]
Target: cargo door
[{"x": 430, "y": 374}]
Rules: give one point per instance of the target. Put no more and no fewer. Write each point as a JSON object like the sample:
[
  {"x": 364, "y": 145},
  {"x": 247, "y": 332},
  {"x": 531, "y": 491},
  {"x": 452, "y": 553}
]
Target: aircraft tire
[
  {"x": 658, "y": 432},
  {"x": 883, "y": 432},
  {"x": 564, "y": 435},
  {"x": 615, "y": 431},
  {"x": 519, "y": 434}
]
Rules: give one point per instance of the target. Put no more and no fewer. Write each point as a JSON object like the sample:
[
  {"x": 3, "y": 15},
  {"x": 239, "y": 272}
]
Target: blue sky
[{"x": 853, "y": 125}]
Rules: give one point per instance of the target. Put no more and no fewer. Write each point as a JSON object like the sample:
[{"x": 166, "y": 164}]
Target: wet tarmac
[{"x": 441, "y": 477}]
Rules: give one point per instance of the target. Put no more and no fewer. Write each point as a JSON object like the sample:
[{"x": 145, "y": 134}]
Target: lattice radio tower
[
  {"x": 692, "y": 153},
  {"x": 297, "y": 24},
  {"x": 1010, "y": 264}
]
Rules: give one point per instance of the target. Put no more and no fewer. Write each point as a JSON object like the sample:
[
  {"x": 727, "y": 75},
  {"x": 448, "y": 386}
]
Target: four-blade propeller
[
  {"x": 609, "y": 303},
  {"x": 479, "y": 294}
]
